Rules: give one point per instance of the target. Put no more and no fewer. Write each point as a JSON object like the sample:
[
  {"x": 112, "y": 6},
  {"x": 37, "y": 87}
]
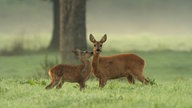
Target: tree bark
[
  {"x": 54, "y": 44},
  {"x": 72, "y": 28}
]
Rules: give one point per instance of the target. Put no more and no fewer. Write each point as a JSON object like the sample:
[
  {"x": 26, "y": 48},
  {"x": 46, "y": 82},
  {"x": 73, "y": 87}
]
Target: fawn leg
[
  {"x": 51, "y": 85},
  {"x": 59, "y": 85}
]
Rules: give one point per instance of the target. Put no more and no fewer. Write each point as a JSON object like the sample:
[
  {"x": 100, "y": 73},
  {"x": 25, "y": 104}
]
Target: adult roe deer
[
  {"x": 115, "y": 66},
  {"x": 79, "y": 73}
]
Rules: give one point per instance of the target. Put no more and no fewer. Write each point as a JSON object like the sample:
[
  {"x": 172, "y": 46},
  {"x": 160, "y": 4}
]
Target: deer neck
[
  {"x": 86, "y": 64},
  {"x": 95, "y": 62}
]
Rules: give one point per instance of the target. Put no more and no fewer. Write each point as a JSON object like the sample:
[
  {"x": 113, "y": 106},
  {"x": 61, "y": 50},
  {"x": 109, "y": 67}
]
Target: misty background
[
  {"x": 114, "y": 17},
  {"x": 158, "y": 31}
]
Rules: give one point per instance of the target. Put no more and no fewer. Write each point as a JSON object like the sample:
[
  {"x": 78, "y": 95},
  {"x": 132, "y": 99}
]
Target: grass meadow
[{"x": 168, "y": 65}]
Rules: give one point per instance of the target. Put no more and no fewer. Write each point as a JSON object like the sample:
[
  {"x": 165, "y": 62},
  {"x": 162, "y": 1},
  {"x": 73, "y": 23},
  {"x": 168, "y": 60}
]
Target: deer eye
[
  {"x": 100, "y": 45},
  {"x": 94, "y": 45}
]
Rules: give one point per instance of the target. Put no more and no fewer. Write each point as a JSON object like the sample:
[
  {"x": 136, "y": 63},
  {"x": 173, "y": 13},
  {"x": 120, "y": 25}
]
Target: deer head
[
  {"x": 82, "y": 55},
  {"x": 97, "y": 44}
]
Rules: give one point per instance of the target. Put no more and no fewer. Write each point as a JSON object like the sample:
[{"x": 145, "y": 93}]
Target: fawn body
[
  {"x": 111, "y": 67},
  {"x": 63, "y": 72}
]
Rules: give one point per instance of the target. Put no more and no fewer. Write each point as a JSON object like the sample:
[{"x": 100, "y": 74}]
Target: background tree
[
  {"x": 54, "y": 44},
  {"x": 72, "y": 28}
]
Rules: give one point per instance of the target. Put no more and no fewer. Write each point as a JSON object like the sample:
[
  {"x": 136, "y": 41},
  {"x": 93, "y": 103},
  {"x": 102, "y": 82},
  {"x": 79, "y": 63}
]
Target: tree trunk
[
  {"x": 54, "y": 44},
  {"x": 72, "y": 28}
]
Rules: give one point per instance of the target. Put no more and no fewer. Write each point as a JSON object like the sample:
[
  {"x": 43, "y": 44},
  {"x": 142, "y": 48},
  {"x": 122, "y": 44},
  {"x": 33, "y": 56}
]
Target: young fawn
[
  {"x": 79, "y": 74},
  {"x": 115, "y": 66}
]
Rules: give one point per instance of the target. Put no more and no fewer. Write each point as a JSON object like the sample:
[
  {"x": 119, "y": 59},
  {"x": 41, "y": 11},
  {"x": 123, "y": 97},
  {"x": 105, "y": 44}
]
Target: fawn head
[
  {"x": 97, "y": 44},
  {"x": 82, "y": 55}
]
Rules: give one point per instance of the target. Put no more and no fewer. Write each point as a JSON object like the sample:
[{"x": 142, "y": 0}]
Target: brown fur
[
  {"x": 79, "y": 73},
  {"x": 111, "y": 67}
]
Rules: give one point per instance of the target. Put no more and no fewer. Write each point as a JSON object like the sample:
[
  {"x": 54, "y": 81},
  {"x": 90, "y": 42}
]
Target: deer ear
[
  {"x": 91, "y": 38},
  {"x": 103, "y": 39}
]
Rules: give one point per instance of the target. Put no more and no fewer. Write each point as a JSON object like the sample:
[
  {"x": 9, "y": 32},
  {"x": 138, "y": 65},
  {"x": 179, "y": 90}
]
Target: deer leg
[
  {"x": 139, "y": 75},
  {"x": 130, "y": 79},
  {"x": 143, "y": 79},
  {"x": 102, "y": 82},
  {"x": 82, "y": 85},
  {"x": 146, "y": 81}
]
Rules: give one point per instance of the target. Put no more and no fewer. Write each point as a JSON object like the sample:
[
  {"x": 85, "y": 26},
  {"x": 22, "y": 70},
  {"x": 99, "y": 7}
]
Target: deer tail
[{"x": 50, "y": 75}]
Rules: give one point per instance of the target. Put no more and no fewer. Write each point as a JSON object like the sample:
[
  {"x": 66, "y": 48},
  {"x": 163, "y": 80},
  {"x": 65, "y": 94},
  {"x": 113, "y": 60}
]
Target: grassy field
[
  {"x": 22, "y": 81},
  {"x": 116, "y": 94}
]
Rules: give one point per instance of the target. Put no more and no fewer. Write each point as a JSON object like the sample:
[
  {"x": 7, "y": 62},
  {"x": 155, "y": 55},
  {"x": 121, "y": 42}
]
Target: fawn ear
[
  {"x": 91, "y": 38},
  {"x": 75, "y": 52},
  {"x": 78, "y": 50},
  {"x": 103, "y": 39}
]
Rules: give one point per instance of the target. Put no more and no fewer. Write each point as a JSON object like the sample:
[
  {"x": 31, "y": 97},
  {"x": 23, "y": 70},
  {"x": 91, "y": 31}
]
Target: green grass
[{"x": 116, "y": 94}]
